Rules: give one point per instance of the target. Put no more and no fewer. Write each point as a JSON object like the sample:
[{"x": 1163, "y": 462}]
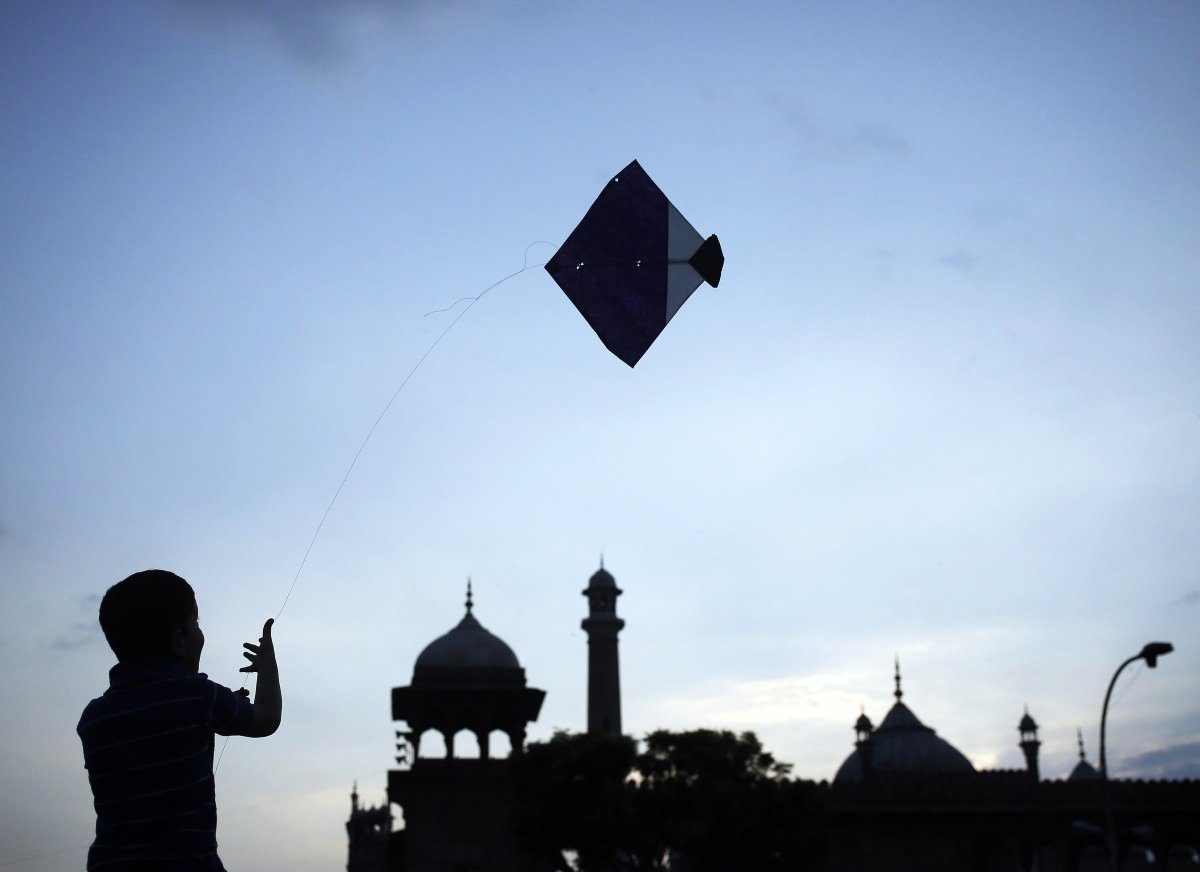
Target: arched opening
[
  {"x": 1139, "y": 858},
  {"x": 433, "y": 745},
  {"x": 1183, "y": 858},
  {"x": 466, "y": 745},
  {"x": 501, "y": 745}
]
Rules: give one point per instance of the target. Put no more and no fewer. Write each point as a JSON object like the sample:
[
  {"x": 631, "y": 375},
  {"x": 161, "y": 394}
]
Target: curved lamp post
[{"x": 1150, "y": 653}]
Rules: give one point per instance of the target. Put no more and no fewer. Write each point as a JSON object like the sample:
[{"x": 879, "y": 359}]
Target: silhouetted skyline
[{"x": 943, "y": 403}]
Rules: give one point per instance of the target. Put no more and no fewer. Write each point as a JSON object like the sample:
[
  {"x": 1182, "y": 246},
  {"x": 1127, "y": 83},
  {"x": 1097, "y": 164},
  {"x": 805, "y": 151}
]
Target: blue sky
[{"x": 944, "y": 404}]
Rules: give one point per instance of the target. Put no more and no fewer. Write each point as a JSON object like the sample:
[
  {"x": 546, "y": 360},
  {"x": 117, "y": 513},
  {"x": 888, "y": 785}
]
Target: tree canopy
[{"x": 686, "y": 802}]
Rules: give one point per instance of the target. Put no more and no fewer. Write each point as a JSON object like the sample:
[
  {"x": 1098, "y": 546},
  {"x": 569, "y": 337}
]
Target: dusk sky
[{"x": 945, "y": 403}]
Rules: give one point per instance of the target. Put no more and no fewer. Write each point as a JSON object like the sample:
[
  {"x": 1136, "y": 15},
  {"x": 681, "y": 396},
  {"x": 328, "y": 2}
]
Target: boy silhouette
[{"x": 148, "y": 741}]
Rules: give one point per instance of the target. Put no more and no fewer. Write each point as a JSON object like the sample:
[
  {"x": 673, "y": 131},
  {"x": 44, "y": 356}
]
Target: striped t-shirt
[{"x": 148, "y": 748}]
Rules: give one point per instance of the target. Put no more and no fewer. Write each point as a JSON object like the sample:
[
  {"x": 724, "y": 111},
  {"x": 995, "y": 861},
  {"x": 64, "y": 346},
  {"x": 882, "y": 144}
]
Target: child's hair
[{"x": 139, "y": 613}]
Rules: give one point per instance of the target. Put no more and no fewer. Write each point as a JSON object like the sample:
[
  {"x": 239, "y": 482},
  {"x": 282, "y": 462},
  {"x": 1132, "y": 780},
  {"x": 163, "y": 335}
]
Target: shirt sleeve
[{"x": 232, "y": 713}]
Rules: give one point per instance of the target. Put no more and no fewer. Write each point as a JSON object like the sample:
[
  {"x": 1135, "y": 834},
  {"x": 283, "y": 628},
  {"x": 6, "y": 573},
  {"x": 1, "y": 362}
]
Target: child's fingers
[
  {"x": 250, "y": 647},
  {"x": 266, "y": 636}
]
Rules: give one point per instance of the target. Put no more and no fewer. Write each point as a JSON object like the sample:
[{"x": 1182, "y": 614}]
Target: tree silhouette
[{"x": 689, "y": 802}]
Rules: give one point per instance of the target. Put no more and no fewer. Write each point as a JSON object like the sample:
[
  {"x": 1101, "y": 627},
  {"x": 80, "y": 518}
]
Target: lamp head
[{"x": 1154, "y": 650}]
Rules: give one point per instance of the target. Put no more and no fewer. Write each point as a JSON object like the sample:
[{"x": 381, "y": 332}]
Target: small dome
[
  {"x": 863, "y": 724},
  {"x": 1083, "y": 771},
  {"x": 904, "y": 745},
  {"x": 1028, "y": 724},
  {"x": 602, "y": 578},
  {"x": 467, "y": 646}
]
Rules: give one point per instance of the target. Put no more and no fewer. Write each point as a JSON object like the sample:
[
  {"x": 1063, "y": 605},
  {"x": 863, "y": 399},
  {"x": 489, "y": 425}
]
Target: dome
[
  {"x": 863, "y": 724},
  {"x": 1083, "y": 771},
  {"x": 602, "y": 578},
  {"x": 904, "y": 745},
  {"x": 468, "y": 646},
  {"x": 1028, "y": 724}
]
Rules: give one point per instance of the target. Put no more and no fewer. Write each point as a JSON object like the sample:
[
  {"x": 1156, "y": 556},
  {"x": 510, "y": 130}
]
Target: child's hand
[
  {"x": 262, "y": 655},
  {"x": 268, "y": 703}
]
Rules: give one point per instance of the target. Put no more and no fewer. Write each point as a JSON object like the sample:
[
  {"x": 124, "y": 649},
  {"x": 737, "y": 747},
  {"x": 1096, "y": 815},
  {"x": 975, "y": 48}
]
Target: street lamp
[{"x": 1150, "y": 653}]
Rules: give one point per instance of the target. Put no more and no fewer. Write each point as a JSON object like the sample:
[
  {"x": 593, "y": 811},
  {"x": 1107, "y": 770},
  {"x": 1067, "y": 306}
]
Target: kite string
[{"x": 525, "y": 267}]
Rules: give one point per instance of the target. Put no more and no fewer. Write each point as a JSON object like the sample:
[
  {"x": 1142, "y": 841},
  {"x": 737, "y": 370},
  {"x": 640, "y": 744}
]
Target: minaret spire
[
  {"x": 469, "y": 602},
  {"x": 1079, "y": 735},
  {"x": 898, "y": 692}
]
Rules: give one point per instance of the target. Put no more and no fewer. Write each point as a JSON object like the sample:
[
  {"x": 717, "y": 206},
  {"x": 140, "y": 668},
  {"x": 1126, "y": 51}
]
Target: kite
[{"x": 632, "y": 262}]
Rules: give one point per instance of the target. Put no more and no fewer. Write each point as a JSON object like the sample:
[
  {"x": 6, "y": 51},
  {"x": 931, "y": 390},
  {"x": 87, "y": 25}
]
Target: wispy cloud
[
  {"x": 865, "y": 139},
  {"x": 311, "y": 32},
  {"x": 793, "y": 699},
  {"x": 1191, "y": 598},
  {"x": 1174, "y": 761},
  {"x": 81, "y": 632},
  {"x": 789, "y": 110},
  {"x": 961, "y": 260},
  {"x": 874, "y": 138}
]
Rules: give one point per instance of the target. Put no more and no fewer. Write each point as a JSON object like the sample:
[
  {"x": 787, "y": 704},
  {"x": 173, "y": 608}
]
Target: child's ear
[{"x": 178, "y": 644}]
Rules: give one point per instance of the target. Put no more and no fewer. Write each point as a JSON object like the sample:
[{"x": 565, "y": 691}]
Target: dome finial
[
  {"x": 601, "y": 559},
  {"x": 1079, "y": 735},
  {"x": 899, "y": 693},
  {"x": 469, "y": 602}
]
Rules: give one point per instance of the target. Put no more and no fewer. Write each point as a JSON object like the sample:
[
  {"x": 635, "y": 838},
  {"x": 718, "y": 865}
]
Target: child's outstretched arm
[{"x": 268, "y": 701}]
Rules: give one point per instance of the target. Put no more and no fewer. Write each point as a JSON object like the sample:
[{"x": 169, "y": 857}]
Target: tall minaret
[
  {"x": 604, "y": 674},
  {"x": 1029, "y": 743}
]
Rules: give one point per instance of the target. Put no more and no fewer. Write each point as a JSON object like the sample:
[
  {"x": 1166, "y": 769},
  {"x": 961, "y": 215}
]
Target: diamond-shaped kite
[{"x": 632, "y": 262}]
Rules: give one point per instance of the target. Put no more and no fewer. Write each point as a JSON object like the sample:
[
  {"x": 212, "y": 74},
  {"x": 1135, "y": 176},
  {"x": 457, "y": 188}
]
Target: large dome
[
  {"x": 467, "y": 646},
  {"x": 902, "y": 744}
]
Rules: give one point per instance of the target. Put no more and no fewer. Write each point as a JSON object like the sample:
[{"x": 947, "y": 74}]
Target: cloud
[
  {"x": 961, "y": 260},
  {"x": 876, "y": 138},
  {"x": 1174, "y": 761},
  {"x": 81, "y": 632},
  {"x": 861, "y": 140},
  {"x": 765, "y": 702},
  {"x": 311, "y": 32},
  {"x": 792, "y": 114}
]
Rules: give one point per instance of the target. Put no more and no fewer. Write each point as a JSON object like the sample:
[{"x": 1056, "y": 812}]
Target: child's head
[{"x": 152, "y": 614}]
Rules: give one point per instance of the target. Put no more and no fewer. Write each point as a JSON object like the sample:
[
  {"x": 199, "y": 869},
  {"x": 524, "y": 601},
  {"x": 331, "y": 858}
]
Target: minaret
[
  {"x": 604, "y": 675},
  {"x": 1029, "y": 743},
  {"x": 863, "y": 729}
]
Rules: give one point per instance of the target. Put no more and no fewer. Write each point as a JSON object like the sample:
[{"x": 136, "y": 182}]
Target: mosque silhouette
[{"x": 904, "y": 799}]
